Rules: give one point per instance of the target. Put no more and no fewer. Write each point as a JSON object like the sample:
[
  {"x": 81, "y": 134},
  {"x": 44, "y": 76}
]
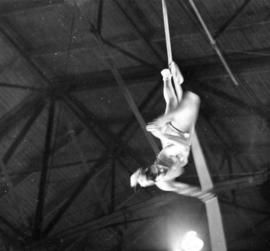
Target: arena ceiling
[{"x": 69, "y": 140}]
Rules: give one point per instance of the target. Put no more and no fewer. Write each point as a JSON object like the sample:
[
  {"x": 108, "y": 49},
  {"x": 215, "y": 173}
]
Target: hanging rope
[
  {"x": 167, "y": 32},
  {"x": 211, "y": 203}
]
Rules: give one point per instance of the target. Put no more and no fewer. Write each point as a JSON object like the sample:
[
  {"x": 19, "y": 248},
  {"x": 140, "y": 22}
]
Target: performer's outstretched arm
[{"x": 184, "y": 189}]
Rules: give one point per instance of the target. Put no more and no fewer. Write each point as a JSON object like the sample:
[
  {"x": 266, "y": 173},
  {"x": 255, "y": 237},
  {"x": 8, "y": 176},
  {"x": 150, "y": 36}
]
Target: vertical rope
[
  {"x": 211, "y": 203},
  {"x": 167, "y": 32}
]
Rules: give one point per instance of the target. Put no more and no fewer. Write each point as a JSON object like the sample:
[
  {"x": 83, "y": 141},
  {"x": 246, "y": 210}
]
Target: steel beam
[
  {"x": 16, "y": 41},
  {"x": 197, "y": 68},
  {"x": 85, "y": 165},
  {"x": 12, "y": 241},
  {"x": 81, "y": 185},
  {"x": 15, "y": 230},
  {"x": 12, "y": 148},
  {"x": 252, "y": 180},
  {"x": 157, "y": 37},
  {"x": 137, "y": 30},
  {"x": 18, "y": 113},
  {"x": 38, "y": 220},
  {"x": 83, "y": 113},
  {"x": 9, "y": 7},
  {"x": 20, "y": 87},
  {"x": 243, "y": 105},
  {"x": 246, "y": 208},
  {"x": 213, "y": 43},
  {"x": 129, "y": 54},
  {"x": 50, "y": 226},
  {"x": 153, "y": 207},
  {"x": 151, "y": 94},
  {"x": 113, "y": 177},
  {"x": 125, "y": 92},
  {"x": 99, "y": 15},
  {"x": 230, "y": 20},
  {"x": 228, "y": 148}
]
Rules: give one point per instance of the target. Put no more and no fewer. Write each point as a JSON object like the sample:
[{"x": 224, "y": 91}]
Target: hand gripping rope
[{"x": 216, "y": 231}]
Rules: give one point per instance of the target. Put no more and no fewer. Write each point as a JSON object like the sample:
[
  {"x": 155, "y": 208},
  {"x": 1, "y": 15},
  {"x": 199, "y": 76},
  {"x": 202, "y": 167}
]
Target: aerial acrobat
[{"x": 174, "y": 129}]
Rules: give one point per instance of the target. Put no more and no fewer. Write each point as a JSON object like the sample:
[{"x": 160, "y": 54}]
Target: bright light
[{"x": 191, "y": 242}]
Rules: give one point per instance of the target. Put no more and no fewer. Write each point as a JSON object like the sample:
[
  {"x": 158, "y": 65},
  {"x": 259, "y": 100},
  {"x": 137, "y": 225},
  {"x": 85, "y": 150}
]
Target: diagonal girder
[
  {"x": 9, "y": 7},
  {"x": 11, "y": 240},
  {"x": 90, "y": 121},
  {"x": 213, "y": 42},
  {"x": 99, "y": 18},
  {"x": 228, "y": 22},
  {"x": 50, "y": 226},
  {"x": 36, "y": 234},
  {"x": 12, "y": 148},
  {"x": 153, "y": 206},
  {"x": 17, "y": 42},
  {"x": 20, "y": 87},
  {"x": 18, "y": 113},
  {"x": 135, "y": 28},
  {"x": 90, "y": 174},
  {"x": 15, "y": 230},
  {"x": 125, "y": 92},
  {"x": 198, "y": 68},
  {"x": 241, "y": 104}
]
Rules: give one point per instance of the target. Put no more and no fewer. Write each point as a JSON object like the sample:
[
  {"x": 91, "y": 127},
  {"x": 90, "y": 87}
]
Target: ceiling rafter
[
  {"x": 231, "y": 19},
  {"x": 19, "y": 138},
  {"x": 197, "y": 68},
  {"x": 18, "y": 113},
  {"x": 82, "y": 184},
  {"x": 127, "y": 12},
  {"x": 121, "y": 133},
  {"x": 79, "y": 108},
  {"x": 126, "y": 38},
  {"x": 76, "y": 192},
  {"x": 20, "y": 87},
  {"x": 17, "y": 232},
  {"x": 39, "y": 217},
  {"x": 14, "y": 39},
  {"x": 10, "y": 7},
  {"x": 126, "y": 92},
  {"x": 258, "y": 111},
  {"x": 64, "y": 207},
  {"x": 142, "y": 209}
]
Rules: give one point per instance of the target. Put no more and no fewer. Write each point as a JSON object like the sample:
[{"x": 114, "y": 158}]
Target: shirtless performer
[{"x": 174, "y": 129}]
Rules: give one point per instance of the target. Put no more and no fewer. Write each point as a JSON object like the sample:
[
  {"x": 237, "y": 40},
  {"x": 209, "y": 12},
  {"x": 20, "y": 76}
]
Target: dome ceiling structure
[{"x": 69, "y": 138}]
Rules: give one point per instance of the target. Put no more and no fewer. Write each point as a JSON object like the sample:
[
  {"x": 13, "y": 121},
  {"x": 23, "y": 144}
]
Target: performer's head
[{"x": 159, "y": 167}]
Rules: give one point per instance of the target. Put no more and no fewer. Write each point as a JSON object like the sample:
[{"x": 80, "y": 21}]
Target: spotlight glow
[{"x": 191, "y": 242}]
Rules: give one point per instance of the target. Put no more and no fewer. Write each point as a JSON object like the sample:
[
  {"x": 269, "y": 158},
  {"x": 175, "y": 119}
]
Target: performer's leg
[
  {"x": 177, "y": 80},
  {"x": 185, "y": 116},
  {"x": 171, "y": 103},
  {"x": 168, "y": 91}
]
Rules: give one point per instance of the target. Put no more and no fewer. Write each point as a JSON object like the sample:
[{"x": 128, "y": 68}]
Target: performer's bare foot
[{"x": 176, "y": 74}]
